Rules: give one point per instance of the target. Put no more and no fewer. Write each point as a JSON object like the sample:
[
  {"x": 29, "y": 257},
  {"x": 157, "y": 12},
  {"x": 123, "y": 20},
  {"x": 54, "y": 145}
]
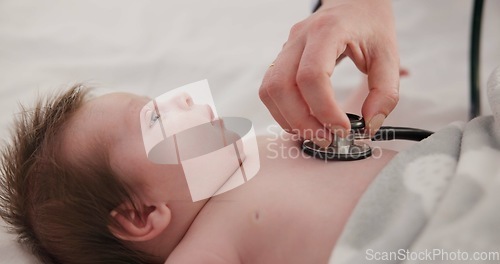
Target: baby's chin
[
  {"x": 212, "y": 158},
  {"x": 225, "y": 138},
  {"x": 209, "y": 138}
]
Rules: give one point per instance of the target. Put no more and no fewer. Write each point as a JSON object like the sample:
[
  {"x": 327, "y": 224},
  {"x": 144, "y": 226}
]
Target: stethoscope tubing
[
  {"x": 401, "y": 133},
  {"x": 346, "y": 149}
]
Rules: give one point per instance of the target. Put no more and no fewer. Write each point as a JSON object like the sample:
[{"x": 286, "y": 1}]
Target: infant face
[
  {"x": 164, "y": 117},
  {"x": 117, "y": 125},
  {"x": 175, "y": 130}
]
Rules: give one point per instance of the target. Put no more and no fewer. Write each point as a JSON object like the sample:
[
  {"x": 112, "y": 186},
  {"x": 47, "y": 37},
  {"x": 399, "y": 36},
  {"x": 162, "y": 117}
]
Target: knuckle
[
  {"x": 321, "y": 22},
  {"x": 329, "y": 23},
  {"x": 274, "y": 90},
  {"x": 271, "y": 89},
  {"x": 263, "y": 95},
  {"x": 296, "y": 29},
  {"x": 393, "y": 96},
  {"x": 307, "y": 76}
]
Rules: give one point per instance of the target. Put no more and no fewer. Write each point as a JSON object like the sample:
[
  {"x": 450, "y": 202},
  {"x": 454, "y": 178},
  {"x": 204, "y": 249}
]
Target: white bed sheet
[{"x": 149, "y": 47}]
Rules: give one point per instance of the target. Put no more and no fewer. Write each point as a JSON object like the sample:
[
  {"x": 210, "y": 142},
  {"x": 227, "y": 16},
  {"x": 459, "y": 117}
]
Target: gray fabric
[{"x": 439, "y": 197}]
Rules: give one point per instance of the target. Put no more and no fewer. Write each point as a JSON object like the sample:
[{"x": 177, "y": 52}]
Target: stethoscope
[{"x": 347, "y": 148}]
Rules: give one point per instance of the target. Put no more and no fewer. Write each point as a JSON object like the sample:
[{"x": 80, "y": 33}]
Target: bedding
[
  {"x": 149, "y": 47},
  {"x": 436, "y": 202}
]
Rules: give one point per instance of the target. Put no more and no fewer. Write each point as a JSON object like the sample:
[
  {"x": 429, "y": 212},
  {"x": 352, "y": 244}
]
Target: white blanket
[{"x": 436, "y": 202}]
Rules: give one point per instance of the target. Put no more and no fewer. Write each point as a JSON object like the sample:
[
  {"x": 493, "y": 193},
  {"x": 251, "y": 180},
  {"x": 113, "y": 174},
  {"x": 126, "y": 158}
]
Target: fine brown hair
[{"x": 59, "y": 210}]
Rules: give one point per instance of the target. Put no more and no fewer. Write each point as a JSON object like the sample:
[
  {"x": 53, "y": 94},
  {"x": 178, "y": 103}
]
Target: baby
[{"x": 78, "y": 187}]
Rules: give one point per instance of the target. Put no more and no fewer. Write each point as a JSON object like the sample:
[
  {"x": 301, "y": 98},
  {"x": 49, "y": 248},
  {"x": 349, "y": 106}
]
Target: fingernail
[
  {"x": 321, "y": 142},
  {"x": 376, "y": 123},
  {"x": 340, "y": 131},
  {"x": 322, "y": 139}
]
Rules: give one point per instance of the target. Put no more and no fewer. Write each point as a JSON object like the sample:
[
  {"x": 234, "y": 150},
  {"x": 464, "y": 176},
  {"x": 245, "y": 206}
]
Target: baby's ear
[{"x": 134, "y": 224}]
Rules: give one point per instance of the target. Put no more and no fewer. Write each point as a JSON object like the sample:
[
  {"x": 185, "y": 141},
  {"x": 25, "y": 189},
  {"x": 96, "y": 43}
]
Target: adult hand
[{"x": 297, "y": 89}]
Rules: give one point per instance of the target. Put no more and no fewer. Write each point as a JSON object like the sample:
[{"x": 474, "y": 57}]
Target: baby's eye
[{"x": 154, "y": 117}]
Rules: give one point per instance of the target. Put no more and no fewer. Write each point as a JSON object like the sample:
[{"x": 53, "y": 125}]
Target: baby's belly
[{"x": 295, "y": 206}]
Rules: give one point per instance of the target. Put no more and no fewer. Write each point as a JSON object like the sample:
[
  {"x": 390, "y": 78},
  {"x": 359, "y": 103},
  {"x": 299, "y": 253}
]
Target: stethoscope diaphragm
[
  {"x": 347, "y": 149},
  {"x": 333, "y": 152}
]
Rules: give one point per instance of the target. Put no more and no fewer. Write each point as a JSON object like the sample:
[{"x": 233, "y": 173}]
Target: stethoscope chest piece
[
  {"x": 348, "y": 149},
  {"x": 343, "y": 149},
  {"x": 348, "y": 152}
]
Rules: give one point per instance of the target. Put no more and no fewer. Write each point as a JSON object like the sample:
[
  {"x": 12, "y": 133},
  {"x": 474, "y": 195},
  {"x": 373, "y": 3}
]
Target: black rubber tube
[
  {"x": 475, "y": 53},
  {"x": 402, "y": 133}
]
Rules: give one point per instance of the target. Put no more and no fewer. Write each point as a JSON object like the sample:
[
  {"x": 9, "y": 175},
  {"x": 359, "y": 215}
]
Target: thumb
[{"x": 383, "y": 96}]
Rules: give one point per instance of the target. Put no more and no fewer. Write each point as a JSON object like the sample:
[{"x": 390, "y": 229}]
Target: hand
[{"x": 297, "y": 89}]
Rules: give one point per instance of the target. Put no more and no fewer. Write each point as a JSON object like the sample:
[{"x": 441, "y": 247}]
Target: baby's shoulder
[{"x": 198, "y": 249}]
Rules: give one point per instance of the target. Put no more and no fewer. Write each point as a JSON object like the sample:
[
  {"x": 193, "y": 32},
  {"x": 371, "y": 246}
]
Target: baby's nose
[{"x": 183, "y": 100}]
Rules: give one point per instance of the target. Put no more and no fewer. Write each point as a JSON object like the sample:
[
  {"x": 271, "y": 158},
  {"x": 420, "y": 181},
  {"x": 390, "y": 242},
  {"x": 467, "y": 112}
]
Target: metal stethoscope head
[{"x": 346, "y": 148}]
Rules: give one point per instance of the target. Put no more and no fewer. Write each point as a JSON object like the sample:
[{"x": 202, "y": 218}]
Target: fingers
[
  {"x": 269, "y": 103},
  {"x": 383, "y": 83},
  {"x": 280, "y": 94},
  {"x": 297, "y": 89},
  {"x": 313, "y": 79}
]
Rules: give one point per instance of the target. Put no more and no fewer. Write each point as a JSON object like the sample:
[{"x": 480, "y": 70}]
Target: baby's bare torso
[{"x": 292, "y": 211}]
